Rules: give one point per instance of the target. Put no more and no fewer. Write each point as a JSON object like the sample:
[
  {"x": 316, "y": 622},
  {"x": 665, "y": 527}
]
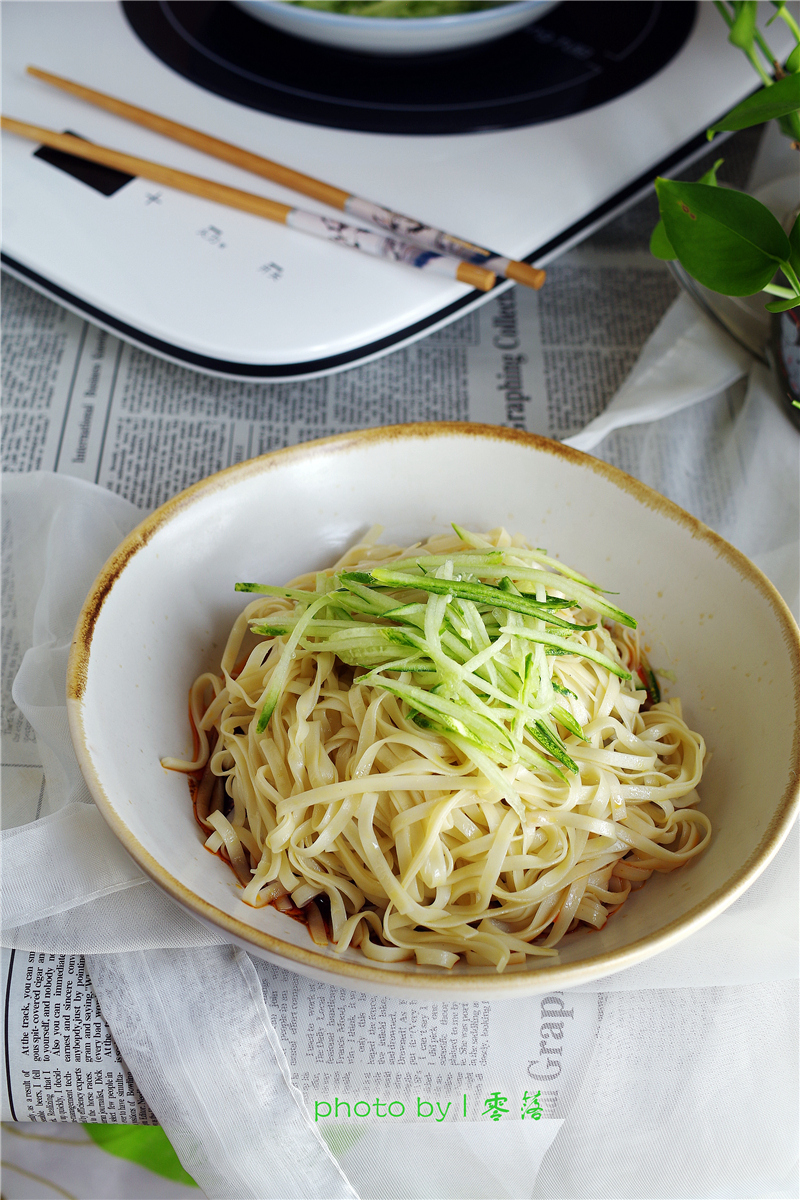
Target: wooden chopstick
[
  {"x": 366, "y": 240},
  {"x": 392, "y": 223}
]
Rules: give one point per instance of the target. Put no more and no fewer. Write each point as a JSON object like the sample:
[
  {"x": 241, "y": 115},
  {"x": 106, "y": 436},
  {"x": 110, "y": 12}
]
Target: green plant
[{"x": 725, "y": 239}]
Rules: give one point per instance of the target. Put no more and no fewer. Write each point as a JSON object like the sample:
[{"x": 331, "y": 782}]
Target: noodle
[{"x": 454, "y": 751}]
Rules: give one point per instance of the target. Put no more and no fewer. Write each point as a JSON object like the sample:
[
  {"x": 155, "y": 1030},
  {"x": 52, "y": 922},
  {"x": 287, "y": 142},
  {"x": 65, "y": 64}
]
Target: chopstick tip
[
  {"x": 525, "y": 274},
  {"x": 475, "y": 276}
]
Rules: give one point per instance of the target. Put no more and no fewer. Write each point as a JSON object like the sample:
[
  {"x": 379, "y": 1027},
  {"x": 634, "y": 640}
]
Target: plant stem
[
  {"x": 790, "y": 21},
  {"x": 791, "y": 275},
  {"x": 764, "y": 48},
  {"x": 762, "y": 45},
  {"x": 775, "y": 289},
  {"x": 768, "y": 80}
]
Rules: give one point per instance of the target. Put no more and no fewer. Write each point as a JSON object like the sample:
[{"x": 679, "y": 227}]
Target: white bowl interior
[{"x": 706, "y": 613}]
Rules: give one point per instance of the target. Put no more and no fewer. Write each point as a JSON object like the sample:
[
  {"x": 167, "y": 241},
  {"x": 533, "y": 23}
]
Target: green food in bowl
[{"x": 398, "y": 8}]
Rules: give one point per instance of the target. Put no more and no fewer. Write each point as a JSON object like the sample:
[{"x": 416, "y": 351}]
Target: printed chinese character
[
  {"x": 531, "y": 1107},
  {"x": 495, "y": 1106}
]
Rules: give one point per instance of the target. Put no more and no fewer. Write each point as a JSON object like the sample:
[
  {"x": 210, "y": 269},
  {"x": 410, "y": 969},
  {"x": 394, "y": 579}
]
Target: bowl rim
[
  {"x": 420, "y": 980},
  {"x": 335, "y": 20}
]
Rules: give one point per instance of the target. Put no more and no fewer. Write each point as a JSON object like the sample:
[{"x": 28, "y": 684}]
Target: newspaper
[
  {"x": 357, "y": 1059},
  {"x": 80, "y": 401},
  {"x": 62, "y": 1064}
]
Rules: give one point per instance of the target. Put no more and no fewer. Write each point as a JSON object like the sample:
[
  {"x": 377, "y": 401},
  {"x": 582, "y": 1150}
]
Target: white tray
[{"x": 198, "y": 283}]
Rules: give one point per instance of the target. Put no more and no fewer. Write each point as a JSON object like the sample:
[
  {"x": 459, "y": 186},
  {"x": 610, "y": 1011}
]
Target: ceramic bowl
[
  {"x": 161, "y": 609},
  {"x": 396, "y": 35}
]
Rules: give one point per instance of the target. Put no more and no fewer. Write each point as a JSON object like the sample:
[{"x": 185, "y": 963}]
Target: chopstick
[
  {"x": 395, "y": 224},
  {"x": 366, "y": 240}
]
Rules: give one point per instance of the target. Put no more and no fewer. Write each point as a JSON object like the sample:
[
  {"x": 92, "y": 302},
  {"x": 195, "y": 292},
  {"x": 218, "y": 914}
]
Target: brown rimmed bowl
[{"x": 162, "y": 606}]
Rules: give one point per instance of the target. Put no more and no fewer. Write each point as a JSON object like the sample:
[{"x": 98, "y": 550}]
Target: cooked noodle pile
[{"x": 451, "y": 751}]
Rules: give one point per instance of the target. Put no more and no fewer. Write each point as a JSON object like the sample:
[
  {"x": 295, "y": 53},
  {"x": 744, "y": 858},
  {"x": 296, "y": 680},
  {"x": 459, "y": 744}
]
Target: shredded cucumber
[{"x": 464, "y": 640}]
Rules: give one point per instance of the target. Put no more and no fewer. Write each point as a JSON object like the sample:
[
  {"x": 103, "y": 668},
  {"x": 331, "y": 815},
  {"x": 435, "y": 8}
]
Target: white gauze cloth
[{"x": 189, "y": 1017}]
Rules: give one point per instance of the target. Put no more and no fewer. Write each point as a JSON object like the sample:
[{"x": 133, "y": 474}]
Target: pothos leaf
[
  {"x": 778, "y": 306},
  {"x": 710, "y": 176},
  {"x": 146, "y": 1145},
  {"x": 790, "y": 125},
  {"x": 725, "y": 239},
  {"x": 778, "y": 100},
  {"x": 660, "y": 245}
]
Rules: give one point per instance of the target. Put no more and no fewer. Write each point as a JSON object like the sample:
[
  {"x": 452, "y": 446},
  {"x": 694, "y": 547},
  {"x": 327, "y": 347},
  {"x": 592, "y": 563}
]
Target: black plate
[{"x": 577, "y": 56}]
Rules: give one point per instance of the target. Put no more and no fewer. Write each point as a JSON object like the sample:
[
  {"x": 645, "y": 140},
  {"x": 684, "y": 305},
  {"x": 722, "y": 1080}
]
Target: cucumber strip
[
  {"x": 408, "y": 612},
  {"x": 371, "y": 640},
  {"x": 444, "y": 664},
  {"x": 530, "y": 758},
  {"x": 355, "y": 582},
  {"x": 535, "y": 761},
  {"x": 529, "y": 675},
  {"x": 465, "y": 720},
  {"x": 281, "y": 672},
  {"x": 317, "y": 628},
  {"x": 480, "y": 593},
  {"x": 562, "y": 646},
  {"x": 576, "y": 590},
  {"x": 495, "y": 776},
  {"x": 350, "y": 603},
  {"x": 473, "y": 539},
  {"x": 477, "y": 643},
  {"x": 472, "y": 665},
  {"x": 649, "y": 682},
  {"x": 567, "y": 720},
  {"x": 475, "y": 624},
  {"x": 549, "y": 740},
  {"x": 285, "y": 593},
  {"x": 417, "y": 666},
  {"x": 579, "y": 592}
]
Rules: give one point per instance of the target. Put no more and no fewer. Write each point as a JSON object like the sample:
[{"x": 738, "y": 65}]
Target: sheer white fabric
[
  {"x": 699, "y": 358},
  {"x": 191, "y": 1024},
  {"x": 193, "y": 1028}
]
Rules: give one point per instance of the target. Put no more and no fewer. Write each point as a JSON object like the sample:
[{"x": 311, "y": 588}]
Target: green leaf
[
  {"x": 778, "y": 100},
  {"x": 146, "y": 1145},
  {"x": 744, "y": 25},
  {"x": 778, "y": 306},
  {"x": 710, "y": 177},
  {"x": 660, "y": 245},
  {"x": 792, "y": 64},
  {"x": 725, "y": 239},
  {"x": 790, "y": 126}
]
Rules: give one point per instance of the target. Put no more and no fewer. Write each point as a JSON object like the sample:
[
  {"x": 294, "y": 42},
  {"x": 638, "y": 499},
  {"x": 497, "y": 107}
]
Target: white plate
[{"x": 163, "y": 605}]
